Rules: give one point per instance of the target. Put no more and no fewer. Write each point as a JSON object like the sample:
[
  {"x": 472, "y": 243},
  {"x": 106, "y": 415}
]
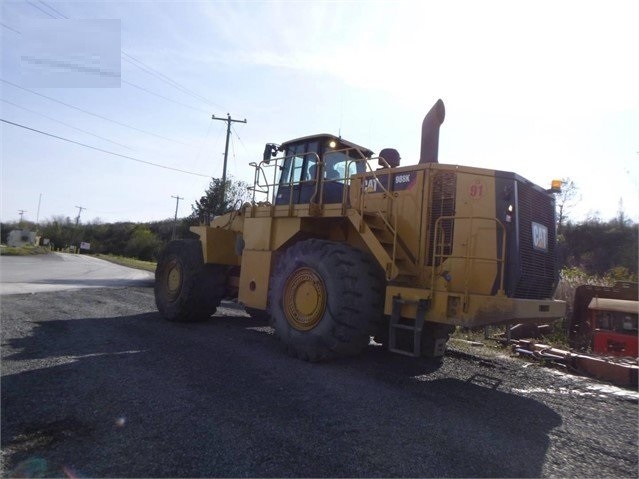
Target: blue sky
[{"x": 546, "y": 89}]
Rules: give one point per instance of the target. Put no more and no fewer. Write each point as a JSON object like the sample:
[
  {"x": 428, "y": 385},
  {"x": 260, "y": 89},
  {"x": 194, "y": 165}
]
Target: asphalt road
[
  {"x": 63, "y": 271},
  {"x": 96, "y": 384}
]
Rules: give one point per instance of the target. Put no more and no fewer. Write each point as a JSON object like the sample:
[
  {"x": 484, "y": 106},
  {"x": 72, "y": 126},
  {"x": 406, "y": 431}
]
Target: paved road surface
[{"x": 62, "y": 271}]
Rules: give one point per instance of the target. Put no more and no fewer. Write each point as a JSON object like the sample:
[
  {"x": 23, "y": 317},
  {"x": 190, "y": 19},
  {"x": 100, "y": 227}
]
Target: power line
[
  {"x": 162, "y": 96},
  {"x": 94, "y": 114},
  {"x": 104, "y": 151},
  {"x": 66, "y": 124},
  {"x": 43, "y": 11},
  {"x": 241, "y": 142},
  {"x": 93, "y": 70},
  {"x": 233, "y": 149},
  {"x": 9, "y": 28},
  {"x": 136, "y": 62},
  {"x": 161, "y": 76},
  {"x": 51, "y": 8}
]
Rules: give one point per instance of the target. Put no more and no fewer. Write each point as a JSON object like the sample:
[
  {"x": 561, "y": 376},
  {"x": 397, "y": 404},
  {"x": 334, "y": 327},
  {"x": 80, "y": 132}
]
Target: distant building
[{"x": 18, "y": 238}]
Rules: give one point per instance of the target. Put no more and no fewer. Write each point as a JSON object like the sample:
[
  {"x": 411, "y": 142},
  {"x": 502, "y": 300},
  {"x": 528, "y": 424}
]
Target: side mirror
[{"x": 270, "y": 150}]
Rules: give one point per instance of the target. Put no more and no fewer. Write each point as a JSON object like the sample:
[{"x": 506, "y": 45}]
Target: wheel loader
[{"x": 340, "y": 245}]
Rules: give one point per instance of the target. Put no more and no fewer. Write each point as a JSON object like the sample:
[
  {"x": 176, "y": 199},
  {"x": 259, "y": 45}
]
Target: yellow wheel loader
[{"x": 340, "y": 245}]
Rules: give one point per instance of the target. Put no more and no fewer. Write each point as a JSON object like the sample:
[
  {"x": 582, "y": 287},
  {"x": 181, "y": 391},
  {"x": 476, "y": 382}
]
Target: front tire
[
  {"x": 186, "y": 289},
  {"x": 325, "y": 299}
]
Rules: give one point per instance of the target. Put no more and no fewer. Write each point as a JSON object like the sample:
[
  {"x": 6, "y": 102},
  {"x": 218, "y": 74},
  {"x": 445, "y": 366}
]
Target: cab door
[{"x": 295, "y": 180}]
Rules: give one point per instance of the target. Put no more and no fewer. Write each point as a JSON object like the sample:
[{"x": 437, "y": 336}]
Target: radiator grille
[
  {"x": 443, "y": 188},
  {"x": 537, "y": 268}
]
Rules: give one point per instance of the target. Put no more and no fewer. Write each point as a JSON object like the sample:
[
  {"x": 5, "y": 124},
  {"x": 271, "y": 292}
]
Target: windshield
[
  {"x": 340, "y": 166},
  {"x": 298, "y": 164}
]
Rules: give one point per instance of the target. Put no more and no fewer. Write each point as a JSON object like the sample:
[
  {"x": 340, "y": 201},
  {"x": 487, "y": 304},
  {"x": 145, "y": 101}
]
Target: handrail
[
  {"x": 276, "y": 165},
  {"x": 392, "y": 204},
  {"x": 467, "y": 256},
  {"x": 256, "y": 181},
  {"x": 262, "y": 185}
]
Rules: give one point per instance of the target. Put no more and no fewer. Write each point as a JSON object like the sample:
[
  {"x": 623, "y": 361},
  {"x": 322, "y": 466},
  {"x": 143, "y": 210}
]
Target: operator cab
[{"x": 316, "y": 168}]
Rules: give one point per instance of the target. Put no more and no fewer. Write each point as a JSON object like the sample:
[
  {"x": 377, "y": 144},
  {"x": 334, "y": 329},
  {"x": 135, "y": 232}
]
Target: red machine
[
  {"x": 606, "y": 319},
  {"x": 614, "y": 326}
]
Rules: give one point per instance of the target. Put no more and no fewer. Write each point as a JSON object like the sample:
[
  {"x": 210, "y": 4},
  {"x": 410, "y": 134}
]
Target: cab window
[
  {"x": 340, "y": 166},
  {"x": 293, "y": 164},
  {"x": 299, "y": 159}
]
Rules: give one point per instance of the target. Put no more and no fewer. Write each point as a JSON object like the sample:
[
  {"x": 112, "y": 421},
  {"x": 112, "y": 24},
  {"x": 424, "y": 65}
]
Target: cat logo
[
  {"x": 371, "y": 185},
  {"x": 540, "y": 237}
]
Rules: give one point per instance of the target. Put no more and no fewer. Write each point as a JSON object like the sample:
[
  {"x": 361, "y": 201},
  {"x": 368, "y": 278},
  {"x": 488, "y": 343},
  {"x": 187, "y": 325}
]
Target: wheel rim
[
  {"x": 304, "y": 299},
  {"x": 173, "y": 279}
]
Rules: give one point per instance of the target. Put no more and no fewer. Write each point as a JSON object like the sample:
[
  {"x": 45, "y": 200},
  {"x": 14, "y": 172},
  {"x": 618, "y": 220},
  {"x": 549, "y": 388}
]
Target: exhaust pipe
[{"x": 430, "y": 133}]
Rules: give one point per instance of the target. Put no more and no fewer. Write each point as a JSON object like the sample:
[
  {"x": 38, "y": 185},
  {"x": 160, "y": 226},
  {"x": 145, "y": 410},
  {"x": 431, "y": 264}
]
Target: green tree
[
  {"x": 602, "y": 247},
  {"x": 164, "y": 229},
  {"x": 5, "y": 229},
  {"x": 236, "y": 193},
  {"x": 143, "y": 244},
  {"x": 59, "y": 230},
  {"x": 564, "y": 201}
]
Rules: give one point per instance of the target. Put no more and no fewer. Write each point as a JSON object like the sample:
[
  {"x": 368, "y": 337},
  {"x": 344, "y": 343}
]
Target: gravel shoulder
[{"x": 96, "y": 384}]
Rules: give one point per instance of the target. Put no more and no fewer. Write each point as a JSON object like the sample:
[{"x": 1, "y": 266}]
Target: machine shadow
[{"x": 220, "y": 399}]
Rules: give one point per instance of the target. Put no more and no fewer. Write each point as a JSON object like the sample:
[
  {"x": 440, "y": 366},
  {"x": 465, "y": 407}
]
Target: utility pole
[
  {"x": 228, "y": 120},
  {"x": 77, "y": 219},
  {"x": 177, "y": 202},
  {"x": 75, "y": 232},
  {"x": 22, "y": 212},
  {"x": 38, "y": 215}
]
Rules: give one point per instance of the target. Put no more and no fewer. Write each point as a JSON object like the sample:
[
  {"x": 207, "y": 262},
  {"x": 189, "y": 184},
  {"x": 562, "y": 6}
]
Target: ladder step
[
  {"x": 375, "y": 226},
  {"x": 400, "y": 254},
  {"x": 403, "y": 260},
  {"x": 416, "y": 328},
  {"x": 384, "y": 234},
  {"x": 374, "y": 220}
]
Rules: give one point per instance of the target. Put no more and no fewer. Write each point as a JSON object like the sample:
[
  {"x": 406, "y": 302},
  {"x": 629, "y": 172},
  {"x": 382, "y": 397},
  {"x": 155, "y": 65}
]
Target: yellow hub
[
  {"x": 304, "y": 299},
  {"x": 173, "y": 277}
]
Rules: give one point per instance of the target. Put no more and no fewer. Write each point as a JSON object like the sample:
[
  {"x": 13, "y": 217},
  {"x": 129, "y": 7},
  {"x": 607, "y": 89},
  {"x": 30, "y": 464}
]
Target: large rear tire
[
  {"x": 325, "y": 299},
  {"x": 186, "y": 289}
]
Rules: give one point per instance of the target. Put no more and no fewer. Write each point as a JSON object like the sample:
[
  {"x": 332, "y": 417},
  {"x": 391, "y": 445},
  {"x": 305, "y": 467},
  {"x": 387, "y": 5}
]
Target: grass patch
[
  {"x": 23, "y": 250},
  {"x": 129, "y": 262}
]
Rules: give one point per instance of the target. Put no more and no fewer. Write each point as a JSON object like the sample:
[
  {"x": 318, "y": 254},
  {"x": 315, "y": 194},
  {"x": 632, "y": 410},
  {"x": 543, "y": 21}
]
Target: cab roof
[
  {"x": 619, "y": 305},
  {"x": 341, "y": 142}
]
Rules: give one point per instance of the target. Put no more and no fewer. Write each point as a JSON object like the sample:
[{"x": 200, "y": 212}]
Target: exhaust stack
[{"x": 430, "y": 133}]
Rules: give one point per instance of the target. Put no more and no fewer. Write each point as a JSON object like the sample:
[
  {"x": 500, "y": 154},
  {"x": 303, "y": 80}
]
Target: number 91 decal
[{"x": 476, "y": 190}]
